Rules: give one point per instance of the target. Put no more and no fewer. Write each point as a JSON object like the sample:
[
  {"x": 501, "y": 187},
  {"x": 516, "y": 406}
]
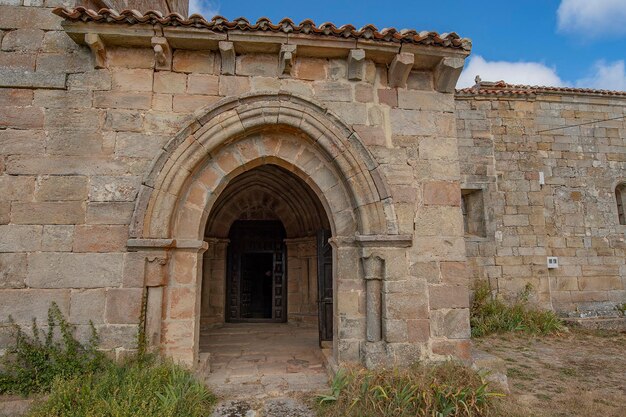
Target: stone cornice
[{"x": 426, "y": 57}]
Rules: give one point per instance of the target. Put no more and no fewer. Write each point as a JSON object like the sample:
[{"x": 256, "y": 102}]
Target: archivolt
[{"x": 214, "y": 144}]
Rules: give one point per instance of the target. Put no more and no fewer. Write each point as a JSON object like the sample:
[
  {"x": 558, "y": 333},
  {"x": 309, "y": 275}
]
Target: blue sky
[{"x": 544, "y": 42}]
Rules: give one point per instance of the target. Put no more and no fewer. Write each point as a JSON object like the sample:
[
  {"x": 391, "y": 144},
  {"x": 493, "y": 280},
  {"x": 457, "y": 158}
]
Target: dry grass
[
  {"x": 579, "y": 373},
  {"x": 442, "y": 390}
]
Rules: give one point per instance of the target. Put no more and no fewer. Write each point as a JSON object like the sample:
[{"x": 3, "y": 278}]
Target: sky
[{"x": 578, "y": 43}]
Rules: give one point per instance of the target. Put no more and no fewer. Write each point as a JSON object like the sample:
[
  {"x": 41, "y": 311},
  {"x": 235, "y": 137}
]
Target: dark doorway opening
[
  {"x": 256, "y": 279},
  {"x": 256, "y": 288}
]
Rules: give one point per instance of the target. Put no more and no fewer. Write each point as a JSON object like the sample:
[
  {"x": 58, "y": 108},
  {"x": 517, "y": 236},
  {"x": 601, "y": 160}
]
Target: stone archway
[
  {"x": 267, "y": 193},
  {"x": 224, "y": 141}
]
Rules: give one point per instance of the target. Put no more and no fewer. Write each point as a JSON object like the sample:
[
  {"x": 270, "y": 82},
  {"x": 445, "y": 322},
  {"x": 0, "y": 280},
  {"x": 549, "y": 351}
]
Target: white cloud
[
  {"x": 532, "y": 73},
  {"x": 206, "y": 8},
  {"x": 605, "y": 76},
  {"x": 592, "y": 18}
]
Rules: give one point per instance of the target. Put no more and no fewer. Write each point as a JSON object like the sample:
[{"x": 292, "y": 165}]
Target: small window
[
  {"x": 473, "y": 212},
  {"x": 620, "y": 195}
]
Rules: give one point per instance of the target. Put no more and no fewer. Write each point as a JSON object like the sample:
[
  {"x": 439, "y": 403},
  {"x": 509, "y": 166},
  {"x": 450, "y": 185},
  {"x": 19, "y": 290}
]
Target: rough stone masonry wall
[
  {"x": 504, "y": 144},
  {"x": 75, "y": 143}
]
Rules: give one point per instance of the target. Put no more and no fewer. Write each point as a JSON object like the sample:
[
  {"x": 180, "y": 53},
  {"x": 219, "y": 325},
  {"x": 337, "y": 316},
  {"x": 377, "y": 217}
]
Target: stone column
[
  {"x": 146, "y": 265},
  {"x": 373, "y": 267},
  {"x": 374, "y": 271},
  {"x": 380, "y": 258},
  {"x": 175, "y": 279}
]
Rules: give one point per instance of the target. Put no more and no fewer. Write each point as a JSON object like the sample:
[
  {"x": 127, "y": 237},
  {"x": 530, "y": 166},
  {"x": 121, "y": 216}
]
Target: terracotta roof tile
[
  {"x": 502, "y": 88},
  {"x": 221, "y": 24}
]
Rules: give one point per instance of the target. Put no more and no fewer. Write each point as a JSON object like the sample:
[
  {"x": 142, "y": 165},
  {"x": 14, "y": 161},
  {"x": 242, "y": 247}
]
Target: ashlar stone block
[
  {"x": 123, "y": 305},
  {"x": 74, "y": 270}
]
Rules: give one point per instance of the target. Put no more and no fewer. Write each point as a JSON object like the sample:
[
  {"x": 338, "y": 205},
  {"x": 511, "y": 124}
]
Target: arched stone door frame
[{"x": 222, "y": 141}]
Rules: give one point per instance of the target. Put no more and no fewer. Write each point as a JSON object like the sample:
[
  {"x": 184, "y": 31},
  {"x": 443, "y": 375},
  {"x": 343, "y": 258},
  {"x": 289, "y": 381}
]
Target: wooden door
[
  {"x": 325, "y": 286},
  {"x": 256, "y": 252}
]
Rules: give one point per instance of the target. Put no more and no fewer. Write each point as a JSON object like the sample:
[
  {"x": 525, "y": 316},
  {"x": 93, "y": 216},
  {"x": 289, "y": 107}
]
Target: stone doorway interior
[
  {"x": 256, "y": 290},
  {"x": 260, "y": 304}
]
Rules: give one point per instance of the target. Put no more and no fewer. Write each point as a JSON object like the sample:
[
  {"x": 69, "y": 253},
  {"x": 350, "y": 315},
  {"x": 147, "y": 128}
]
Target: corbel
[
  {"x": 98, "y": 49},
  {"x": 356, "y": 64},
  {"x": 286, "y": 58},
  {"x": 227, "y": 52},
  {"x": 400, "y": 69},
  {"x": 447, "y": 73},
  {"x": 162, "y": 54}
]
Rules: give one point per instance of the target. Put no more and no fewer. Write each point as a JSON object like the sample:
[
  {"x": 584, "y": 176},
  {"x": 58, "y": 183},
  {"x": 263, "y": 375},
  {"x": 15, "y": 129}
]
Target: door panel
[
  {"x": 256, "y": 240},
  {"x": 325, "y": 286}
]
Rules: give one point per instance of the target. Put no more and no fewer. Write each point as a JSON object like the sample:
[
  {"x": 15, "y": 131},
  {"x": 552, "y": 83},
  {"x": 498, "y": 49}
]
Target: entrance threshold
[{"x": 264, "y": 359}]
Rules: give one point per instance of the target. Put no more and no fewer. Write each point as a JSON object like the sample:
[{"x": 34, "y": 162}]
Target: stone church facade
[{"x": 223, "y": 171}]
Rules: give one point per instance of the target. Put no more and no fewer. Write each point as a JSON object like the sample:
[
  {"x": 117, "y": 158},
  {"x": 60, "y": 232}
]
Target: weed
[
  {"x": 443, "y": 390},
  {"x": 568, "y": 371},
  {"x": 36, "y": 361},
  {"x": 337, "y": 385},
  {"x": 137, "y": 388},
  {"x": 544, "y": 397},
  {"x": 490, "y": 315}
]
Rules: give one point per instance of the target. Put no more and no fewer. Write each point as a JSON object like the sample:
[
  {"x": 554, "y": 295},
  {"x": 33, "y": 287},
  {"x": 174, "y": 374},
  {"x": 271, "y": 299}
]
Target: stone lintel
[
  {"x": 393, "y": 241},
  {"x": 98, "y": 50},
  {"x": 150, "y": 243},
  {"x": 181, "y": 37},
  {"x": 447, "y": 74},
  {"x": 112, "y": 34},
  {"x": 200, "y": 245}
]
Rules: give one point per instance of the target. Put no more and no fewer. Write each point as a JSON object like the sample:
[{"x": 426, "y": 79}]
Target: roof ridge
[
  {"x": 285, "y": 25},
  {"x": 504, "y": 88}
]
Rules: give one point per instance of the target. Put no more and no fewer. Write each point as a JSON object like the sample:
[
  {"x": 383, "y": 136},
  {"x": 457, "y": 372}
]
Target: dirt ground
[{"x": 578, "y": 373}]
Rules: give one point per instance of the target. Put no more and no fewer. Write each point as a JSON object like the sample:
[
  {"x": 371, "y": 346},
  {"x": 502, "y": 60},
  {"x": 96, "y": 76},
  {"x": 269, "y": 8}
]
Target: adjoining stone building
[{"x": 237, "y": 172}]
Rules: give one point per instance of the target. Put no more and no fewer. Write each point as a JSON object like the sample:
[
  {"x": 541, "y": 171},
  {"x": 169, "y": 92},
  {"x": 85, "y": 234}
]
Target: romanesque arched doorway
[
  {"x": 273, "y": 263},
  {"x": 222, "y": 143}
]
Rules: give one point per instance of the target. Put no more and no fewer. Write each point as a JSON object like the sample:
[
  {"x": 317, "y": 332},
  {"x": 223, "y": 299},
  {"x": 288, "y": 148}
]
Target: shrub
[
  {"x": 137, "y": 388},
  {"x": 490, "y": 315},
  {"x": 443, "y": 390},
  {"x": 35, "y": 361}
]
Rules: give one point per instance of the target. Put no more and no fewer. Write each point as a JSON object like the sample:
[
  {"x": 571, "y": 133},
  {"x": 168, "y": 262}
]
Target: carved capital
[
  {"x": 155, "y": 273},
  {"x": 373, "y": 267},
  {"x": 162, "y": 54}
]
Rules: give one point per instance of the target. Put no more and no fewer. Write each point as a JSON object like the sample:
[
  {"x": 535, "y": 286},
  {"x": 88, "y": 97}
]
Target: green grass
[
  {"x": 441, "y": 390},
  {"x": 491, "y": 315},
  {"x": 148, "y": 388},
  {"x": 81, "y": 381}
]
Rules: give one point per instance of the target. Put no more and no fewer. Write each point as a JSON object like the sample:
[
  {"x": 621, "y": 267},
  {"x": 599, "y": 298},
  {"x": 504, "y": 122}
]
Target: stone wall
[
  {"x": 77, "y": 142},
  {"x": 505, "y": 143}
]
